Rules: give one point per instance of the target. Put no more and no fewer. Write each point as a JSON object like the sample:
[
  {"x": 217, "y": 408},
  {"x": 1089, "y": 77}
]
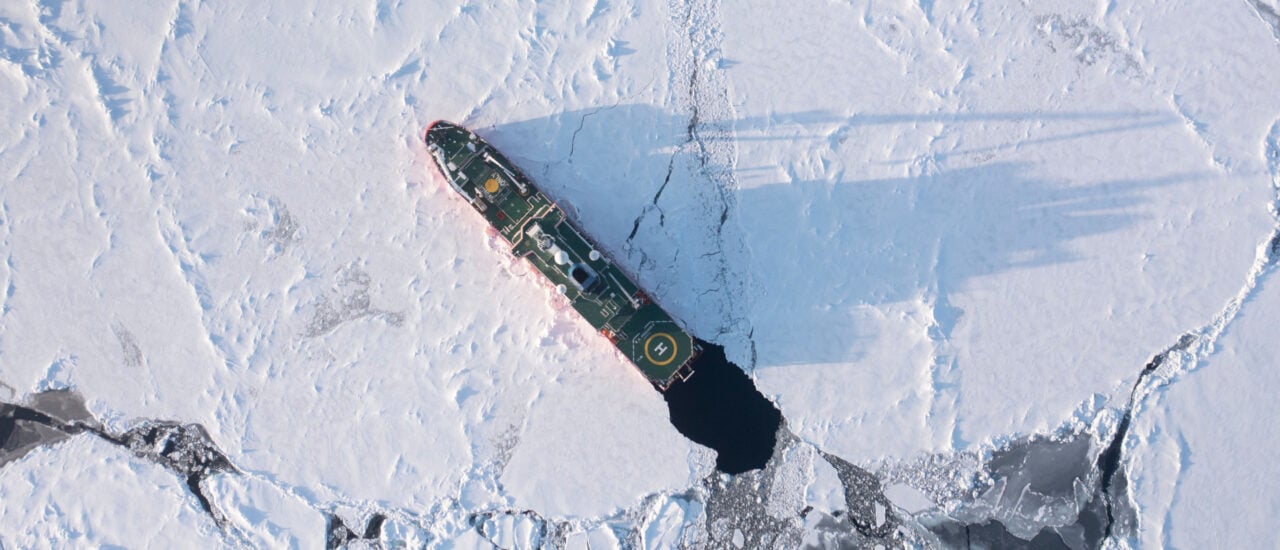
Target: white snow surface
[
  {"x": 265, "y": 516},
  {"x": 922, "y": 227}
]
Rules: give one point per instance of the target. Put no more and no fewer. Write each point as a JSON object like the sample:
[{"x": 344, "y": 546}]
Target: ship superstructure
[{"x": 539, "y": 231}]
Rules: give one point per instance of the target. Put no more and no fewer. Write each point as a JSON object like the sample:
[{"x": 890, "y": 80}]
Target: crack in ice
[{"x": 1188, "y": 353}]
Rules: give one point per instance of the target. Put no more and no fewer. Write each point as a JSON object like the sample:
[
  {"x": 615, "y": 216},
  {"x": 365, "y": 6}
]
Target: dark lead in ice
[{"x": 52, "y": 416}]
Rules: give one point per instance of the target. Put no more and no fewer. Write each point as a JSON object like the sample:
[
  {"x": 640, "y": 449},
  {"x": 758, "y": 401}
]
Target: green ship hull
[{"x": 539, "y": 231}]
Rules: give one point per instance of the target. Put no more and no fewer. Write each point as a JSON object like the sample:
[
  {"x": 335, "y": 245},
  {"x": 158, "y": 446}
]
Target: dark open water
[{"x": 719, "y": 407}]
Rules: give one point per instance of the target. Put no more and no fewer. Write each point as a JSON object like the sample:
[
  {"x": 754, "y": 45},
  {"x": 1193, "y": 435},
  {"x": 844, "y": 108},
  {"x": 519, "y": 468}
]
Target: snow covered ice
[{"x": 1006, "y": 269}]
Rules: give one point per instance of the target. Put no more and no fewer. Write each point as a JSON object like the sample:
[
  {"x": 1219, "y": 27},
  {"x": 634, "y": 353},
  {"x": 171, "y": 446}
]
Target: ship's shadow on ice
[
  {"x": 795, "y": 250},
  {"x": 843, "y": 246}
]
